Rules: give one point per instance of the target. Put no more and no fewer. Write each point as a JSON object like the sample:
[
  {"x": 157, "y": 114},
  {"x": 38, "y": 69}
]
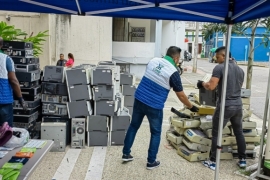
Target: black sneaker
[
  {"x": 127, "y": 157},
  {"x": 152, "y": 165}
]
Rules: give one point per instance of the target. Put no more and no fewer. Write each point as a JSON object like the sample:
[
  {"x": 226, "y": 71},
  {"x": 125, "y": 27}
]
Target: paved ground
[{"x": 172, "y": 165}]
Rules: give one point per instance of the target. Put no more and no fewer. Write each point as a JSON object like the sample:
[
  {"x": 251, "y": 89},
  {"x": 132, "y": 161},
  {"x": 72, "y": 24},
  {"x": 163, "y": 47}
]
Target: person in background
[
  {"x": 233, "y": 105},
  {"x": 160, "y": 76},
  {"x": 70, "y": 61},
  {"x": 61, "y": 61},
  {"x": 8, "y": 84}
]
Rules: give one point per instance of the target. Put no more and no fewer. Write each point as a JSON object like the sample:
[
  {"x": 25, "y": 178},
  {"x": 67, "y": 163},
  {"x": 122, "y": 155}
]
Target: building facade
[
  {"x": 190, "y": 35},
  {"x": 88, "y": 38},
  {"x": 134, "y": 42},
  {"x": 129, "y": 42},
  {"x": 240, "y": 45}
]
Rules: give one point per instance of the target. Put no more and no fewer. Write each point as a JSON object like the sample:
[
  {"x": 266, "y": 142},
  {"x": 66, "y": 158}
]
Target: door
[
  {"x": 190, "y": 47},
  {"x": 199, "y": 48}
]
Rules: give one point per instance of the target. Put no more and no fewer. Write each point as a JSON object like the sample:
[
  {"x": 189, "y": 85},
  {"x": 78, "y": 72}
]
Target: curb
[
  {"x": 188, "y": 85},
  {"x": 255, "y": 65}
]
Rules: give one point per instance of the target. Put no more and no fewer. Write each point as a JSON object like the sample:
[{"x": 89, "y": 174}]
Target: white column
[
  {"x": 216, "y": 43},
  {"x": 158, "y": 38},
  {"x": 194, "y": 69}
]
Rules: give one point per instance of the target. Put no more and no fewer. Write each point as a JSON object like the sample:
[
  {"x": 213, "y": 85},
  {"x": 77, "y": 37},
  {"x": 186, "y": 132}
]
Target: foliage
[
  {"x": 266, "y": 24},
  {"x": 245, "y": 172},
  {"x": 37, "y": 42},
  {"x": 211, "y": 28},
  {"x": 10, "y": 33}
]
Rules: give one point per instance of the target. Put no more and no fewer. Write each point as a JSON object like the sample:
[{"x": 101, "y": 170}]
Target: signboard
[{"x": 138, "y": 34}]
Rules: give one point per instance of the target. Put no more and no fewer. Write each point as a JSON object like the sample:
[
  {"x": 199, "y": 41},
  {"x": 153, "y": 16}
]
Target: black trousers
[{"x": 234, "y": 114}]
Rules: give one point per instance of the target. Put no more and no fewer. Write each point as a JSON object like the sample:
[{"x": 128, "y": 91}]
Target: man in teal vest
[
  {"x": 160, "y": 76},
  {"x": 8, "y": 83}
]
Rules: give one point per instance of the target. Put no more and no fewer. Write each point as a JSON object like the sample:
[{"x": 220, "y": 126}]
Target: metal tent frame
[
  {"x": 231, "y": 11},
  {"x": 266, "y": 119}
]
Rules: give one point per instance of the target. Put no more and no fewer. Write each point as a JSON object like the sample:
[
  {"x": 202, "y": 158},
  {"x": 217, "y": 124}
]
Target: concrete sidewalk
[{"x": 172, "y": 165}]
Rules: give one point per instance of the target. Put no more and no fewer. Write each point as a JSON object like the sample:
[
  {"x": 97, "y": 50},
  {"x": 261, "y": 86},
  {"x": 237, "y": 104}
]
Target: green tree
[
  {"x": 37, "y": 41},
  {"x": 10, "y": 33},
  {"x": 213, "y": 28}
]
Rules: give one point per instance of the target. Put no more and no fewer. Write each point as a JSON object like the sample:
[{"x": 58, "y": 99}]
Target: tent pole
[
  {"x": 222, "y": 102},
  {"x": 78, "y": 6},
  {"x": 158, "y": 38},
  {"x": 264, "y": 130}
]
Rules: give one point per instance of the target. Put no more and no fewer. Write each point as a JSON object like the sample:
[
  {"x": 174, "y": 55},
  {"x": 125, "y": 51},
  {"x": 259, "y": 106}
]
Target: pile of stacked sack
[{"x": 190, "y": 133}]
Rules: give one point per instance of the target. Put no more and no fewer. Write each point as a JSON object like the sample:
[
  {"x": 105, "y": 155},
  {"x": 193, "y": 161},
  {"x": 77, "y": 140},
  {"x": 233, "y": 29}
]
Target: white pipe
[
  {"x": 216, "y": 42},
  {"x": 49, "y": 6},
  {"x": 245, "y": 54},
  {"x": 158, "y": 38},
  {"x": 191, "y": 12},
  {"x": 78, "y": 6},
  {"x": 269, "y": 56},
  {"x": 222, "y": 102},
  {"x": 194, "y": 69},
  {"x": 248, "y": 9},
  {"x": 264, "y": 127}
]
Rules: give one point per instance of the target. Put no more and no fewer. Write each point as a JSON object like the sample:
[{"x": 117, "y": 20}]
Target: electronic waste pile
[
  {"x": 86, "y": 105},
  {"x": 190, "y": 133},
  {"x": 83, "y": 105}
]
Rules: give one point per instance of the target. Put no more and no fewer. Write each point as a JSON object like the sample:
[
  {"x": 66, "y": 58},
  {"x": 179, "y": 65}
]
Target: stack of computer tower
[
  {"x": 55, "y": 121},
  {"x": 119, "y": 126},
  {"x": 102, "y": 127},
  {"x": 28, "y": 74},
  {"x": 79, "y": 105},
  {"x": 128, "y": 88},
  {"x": 104, "y": 89}
]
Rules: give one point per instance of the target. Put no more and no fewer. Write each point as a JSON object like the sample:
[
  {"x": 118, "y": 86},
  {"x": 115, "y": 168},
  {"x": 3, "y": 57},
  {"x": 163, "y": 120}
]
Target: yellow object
[
  {"x": 185, "y": 123},
  {"x": 203, "y": 110},
  {"x": 174, "y": 137},
  {"x": 196, "y": 146},
  {"x": 226, "y": 156},
  {"x": 192, "y": 156},
  {"x": 189, "y": 113},
  {"x": 179, "y": 130},
  {"x": 246, "y": 101},
  {"x": 230, "y": 140},
  {"x": 197, "y": 136},
  {"x": 249, "y": 146}
]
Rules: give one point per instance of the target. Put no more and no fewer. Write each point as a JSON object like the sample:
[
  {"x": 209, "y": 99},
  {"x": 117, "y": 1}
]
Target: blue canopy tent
[
  {"x": 189, "y": 10},
  {"x": 218, "y": 11}
]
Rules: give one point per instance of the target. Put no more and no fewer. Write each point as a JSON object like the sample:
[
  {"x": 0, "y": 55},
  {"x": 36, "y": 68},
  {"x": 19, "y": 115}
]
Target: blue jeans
[
  {"x": 155, "y": 117},
  {"x": 6, "y": 114}
]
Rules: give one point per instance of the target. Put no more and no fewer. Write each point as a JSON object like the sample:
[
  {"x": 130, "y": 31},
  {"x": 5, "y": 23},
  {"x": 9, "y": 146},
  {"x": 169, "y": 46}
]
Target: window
[
  {"x": 120, "y": 29},
  {"x": 199, "y": 48}
]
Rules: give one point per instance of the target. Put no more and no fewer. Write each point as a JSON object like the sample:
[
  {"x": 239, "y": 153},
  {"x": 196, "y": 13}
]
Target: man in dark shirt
[
  {"x": 233, "y": 105},
  {"x": 61, "y": 61}
]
